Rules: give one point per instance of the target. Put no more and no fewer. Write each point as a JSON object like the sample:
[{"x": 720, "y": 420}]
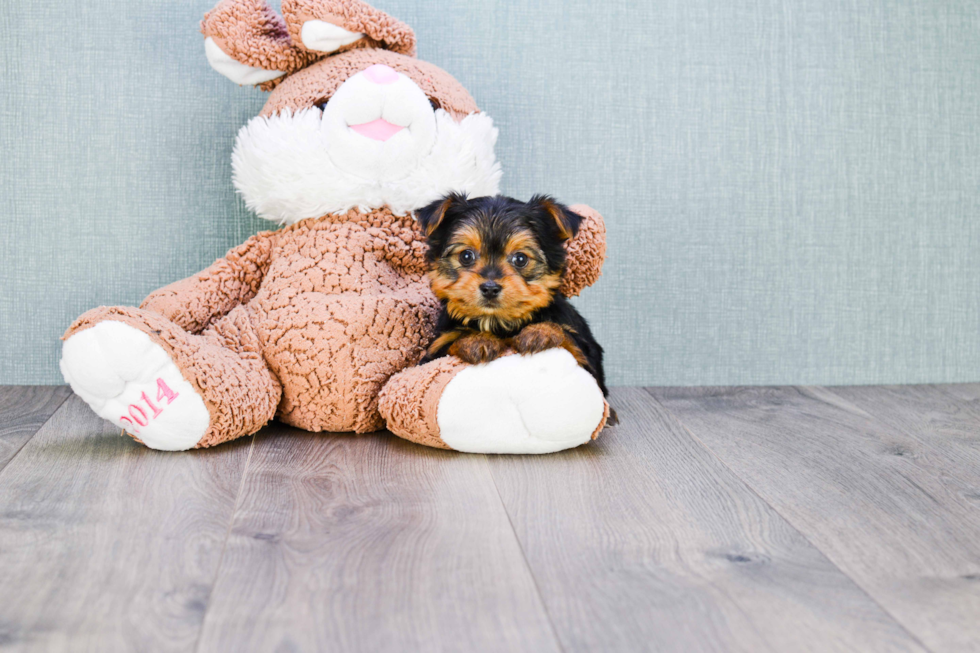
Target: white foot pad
[
  {"x": 130, "y": 380},
  {"x": 521, "y": 404}
]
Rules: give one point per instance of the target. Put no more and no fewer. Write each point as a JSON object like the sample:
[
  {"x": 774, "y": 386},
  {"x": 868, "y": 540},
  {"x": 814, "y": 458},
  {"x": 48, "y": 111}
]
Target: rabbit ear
[
  {"x": 328, "y": 26},
  {"x": 249, "y": 43}
]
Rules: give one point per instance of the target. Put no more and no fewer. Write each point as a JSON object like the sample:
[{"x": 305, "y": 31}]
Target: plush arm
[
  {"x": 193, "y": 303},
  {"x": 586, "y": 252}
]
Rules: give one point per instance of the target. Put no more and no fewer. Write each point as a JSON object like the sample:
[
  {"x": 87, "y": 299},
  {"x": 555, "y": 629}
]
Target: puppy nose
[
  {"x": 381, "y": 74},
  {"x": 490, "y": 289}
]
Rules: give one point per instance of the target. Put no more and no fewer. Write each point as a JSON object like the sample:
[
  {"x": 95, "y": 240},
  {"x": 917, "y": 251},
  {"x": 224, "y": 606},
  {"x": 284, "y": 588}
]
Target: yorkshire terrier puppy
[{"x": 496, "y": 264}]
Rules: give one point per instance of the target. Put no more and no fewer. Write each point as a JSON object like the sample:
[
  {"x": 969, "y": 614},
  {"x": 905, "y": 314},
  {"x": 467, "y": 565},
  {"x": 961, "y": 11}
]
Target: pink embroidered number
[
  {"x": 141, "y": 422},
  {"x": 156, "y": 411},
  {"x": 138, "y": 417}
]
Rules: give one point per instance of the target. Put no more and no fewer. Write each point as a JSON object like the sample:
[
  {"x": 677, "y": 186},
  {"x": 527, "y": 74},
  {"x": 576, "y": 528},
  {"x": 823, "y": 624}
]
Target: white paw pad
[
  {"x": 130, "y": 380},
  {"x": 539, "y": 403}
]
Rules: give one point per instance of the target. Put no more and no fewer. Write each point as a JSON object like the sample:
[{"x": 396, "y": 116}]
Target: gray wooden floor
[{"x": 722, "y": 519}]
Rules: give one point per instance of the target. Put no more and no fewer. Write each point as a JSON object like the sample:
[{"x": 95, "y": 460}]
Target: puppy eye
[
  {"x": 322, "y": 106},
  {"x": 520, "y": 260},
  {"x": 467, "y": 257},
  {"x": 434, "y": 104}
]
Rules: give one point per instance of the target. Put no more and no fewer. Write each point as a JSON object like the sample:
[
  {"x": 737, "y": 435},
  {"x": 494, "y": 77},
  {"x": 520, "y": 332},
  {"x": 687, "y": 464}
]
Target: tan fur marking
[
  {"x": 518, "y": 299},
  {"x": 468, "y": 236},
  {"x": 475, "y": 348},
  {"x": 546, "y": 335},
  {"x": 522, "y": 241},
  {"x": 559, "y": 217},
  {"x": 573, "y": 349},
  {"x": 440, "y": 214},
  {"x": 444, "y": 340}
]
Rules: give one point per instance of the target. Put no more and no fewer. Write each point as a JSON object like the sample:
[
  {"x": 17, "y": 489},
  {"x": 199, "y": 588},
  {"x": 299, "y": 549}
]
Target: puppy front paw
[
  {"x": 477, "y": 348},
  {"x": 538, "y": 337}
]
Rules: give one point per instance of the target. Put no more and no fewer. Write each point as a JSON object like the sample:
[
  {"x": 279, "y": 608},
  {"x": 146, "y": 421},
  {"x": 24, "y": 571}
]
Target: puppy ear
[
  {"x": 431, "y": 217},
  {"x": 566, "y": 221}
]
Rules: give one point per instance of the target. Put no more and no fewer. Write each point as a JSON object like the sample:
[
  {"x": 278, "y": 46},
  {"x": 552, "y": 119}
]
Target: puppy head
[{"x": 496, "y": 260}]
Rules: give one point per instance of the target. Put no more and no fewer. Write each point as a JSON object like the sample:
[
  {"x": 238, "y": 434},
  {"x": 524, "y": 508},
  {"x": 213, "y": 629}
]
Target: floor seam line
[
  {"x": 874, "y": 417},
  {"x": 943, "y": 389},
  {"x": 224, "y": 543},
  {"x": 527, "y": 564},
  {"x": 788, "y": 521},
  {"x": 36, "y": 431}
]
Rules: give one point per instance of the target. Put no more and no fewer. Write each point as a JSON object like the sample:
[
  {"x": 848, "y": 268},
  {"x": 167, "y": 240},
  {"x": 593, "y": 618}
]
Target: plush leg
[
  {"x": 539, "y": 403},
  {"x": 170, "y": 389}
]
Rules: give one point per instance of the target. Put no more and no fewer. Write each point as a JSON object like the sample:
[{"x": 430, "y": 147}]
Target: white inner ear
[
  {"x": 326, "y": 37},
  {"x": 234, "y": 70}
]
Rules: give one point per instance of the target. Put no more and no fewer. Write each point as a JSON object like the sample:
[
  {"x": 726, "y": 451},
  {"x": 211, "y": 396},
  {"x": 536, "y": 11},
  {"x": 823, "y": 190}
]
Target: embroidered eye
[
  {"x": 467, "y": 257},
  {"x": 520, "y": 260}
]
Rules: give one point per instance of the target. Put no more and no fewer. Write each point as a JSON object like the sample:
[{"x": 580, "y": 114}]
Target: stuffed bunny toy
[{"x": 321, "y": 322}]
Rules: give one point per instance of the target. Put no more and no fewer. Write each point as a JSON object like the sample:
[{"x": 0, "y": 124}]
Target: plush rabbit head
[{"x": 353, "y": 120}]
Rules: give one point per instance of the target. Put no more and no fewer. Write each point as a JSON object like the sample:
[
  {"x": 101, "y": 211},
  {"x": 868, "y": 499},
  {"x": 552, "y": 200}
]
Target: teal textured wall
[{"x": 792, "y": 189}]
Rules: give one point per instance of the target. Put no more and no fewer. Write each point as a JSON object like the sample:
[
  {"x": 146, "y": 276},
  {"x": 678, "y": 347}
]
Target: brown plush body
[{"x": 307, "y": 308}]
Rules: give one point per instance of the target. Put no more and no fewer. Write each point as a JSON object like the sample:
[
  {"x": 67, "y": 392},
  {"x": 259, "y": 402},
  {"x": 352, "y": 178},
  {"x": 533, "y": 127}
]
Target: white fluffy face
[{"x": 378, "y": 142}]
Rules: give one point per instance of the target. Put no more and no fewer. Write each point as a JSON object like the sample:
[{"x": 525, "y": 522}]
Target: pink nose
[{"x": 381, "y": 74}]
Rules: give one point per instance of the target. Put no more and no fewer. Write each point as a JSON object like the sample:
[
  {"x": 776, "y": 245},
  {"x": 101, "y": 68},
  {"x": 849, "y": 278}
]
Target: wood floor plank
[
  {"x": 886, "y": 508},
  {"x": 943, "y": 417},
  {"x": 643, "y": 540},
  {"x": 23, "y": 410},
  {"x": 370, "y": 543},
  {"x": 964, "y": 392},
  {"x": 106, "y": 545}
]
